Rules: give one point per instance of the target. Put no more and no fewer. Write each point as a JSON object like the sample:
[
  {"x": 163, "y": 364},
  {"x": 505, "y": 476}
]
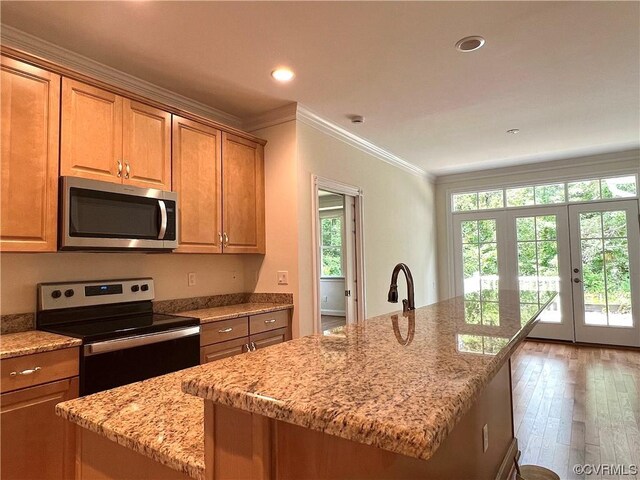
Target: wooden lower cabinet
[
  {"x": 36, "y": 443},
  {"x": 218, "y": 351},
  {"x": 266, "y": 339}
]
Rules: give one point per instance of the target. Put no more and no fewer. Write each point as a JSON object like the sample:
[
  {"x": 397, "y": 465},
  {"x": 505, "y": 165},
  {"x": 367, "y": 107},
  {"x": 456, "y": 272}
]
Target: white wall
[
  {"x": 574, "y": 168},
  {"x": 20, "y": 272},
  {"x": 332, "y": 300},
  {"x": 399, "y": 220},
  {"x": 281, "y": 216}
]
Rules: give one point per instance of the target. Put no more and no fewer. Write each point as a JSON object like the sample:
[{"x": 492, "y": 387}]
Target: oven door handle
[
  {"x": 163, "y": 219},
  {"x": 138, "y": 341}
]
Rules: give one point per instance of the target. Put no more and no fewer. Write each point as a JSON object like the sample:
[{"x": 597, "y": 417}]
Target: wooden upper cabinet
[
  {"x": 111, "y": 138},
  {"x": 146, "y": 146},
  {"x": 91, "y": 132},
  {"x": 243, "y": 195},
  {"x": 30, "y": 116},
  {"x": 197, "y": 180}
]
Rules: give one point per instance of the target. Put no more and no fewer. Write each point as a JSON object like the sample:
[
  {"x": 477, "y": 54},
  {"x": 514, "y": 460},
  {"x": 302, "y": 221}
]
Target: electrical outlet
[
  {"x": 485, "y": 437},
  {"x": 283, "y": 277},
  {"x": 191, "y": 279}
]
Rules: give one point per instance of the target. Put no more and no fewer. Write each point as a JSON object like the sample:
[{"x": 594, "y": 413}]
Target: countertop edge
[
  {"x": 67, "y": 342},
  {"x": 243, "y": 312}
]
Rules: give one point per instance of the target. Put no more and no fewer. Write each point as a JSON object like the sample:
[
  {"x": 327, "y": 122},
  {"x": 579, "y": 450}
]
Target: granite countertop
[
  {"x": 400, "y": 383},
  {"x": 153, "y": 417},
  {"x": 215, "y": 314},
  {"x": 33, "y": 341}
]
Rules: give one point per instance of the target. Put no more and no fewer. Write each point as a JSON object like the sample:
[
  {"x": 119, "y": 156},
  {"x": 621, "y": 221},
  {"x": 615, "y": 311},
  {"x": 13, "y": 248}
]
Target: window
[
  {"x": 546, "y": 194},
  {"x": 331, "y": 248}
]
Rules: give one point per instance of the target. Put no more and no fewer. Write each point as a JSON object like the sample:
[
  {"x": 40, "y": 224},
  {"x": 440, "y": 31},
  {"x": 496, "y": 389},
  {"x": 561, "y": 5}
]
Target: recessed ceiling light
[
  {"x": 283, "y": 74},
  {"x": 514, "y": 131},
  {"x": 469, "y": 44}
]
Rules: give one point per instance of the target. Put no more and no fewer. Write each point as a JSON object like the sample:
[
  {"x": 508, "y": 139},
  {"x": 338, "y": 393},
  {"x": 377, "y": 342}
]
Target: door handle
[
  {"x": 119, "y": 168},
  {"x": 163, "y": 219},
  {"x": 225, "y": 242},
  {"x": 220, "y": 238},
  {"x": 576, "y": 280},
  {"x": 127, "y": 170}
]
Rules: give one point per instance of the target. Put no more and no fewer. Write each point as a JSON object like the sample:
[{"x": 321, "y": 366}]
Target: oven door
[
  {"x": 106, "y": 216},
  {"x": 113, "y": 363}
]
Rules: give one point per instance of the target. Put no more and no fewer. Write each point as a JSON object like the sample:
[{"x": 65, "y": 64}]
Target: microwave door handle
[{"x": 163, "y": 219}]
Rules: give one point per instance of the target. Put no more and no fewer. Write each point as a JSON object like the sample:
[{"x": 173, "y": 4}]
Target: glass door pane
[
  {"x": 540, "y": 254},
  {"x": 605, "y": 259}
]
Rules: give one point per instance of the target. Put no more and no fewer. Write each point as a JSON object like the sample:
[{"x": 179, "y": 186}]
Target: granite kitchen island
[{"x": 425, "y": 394}]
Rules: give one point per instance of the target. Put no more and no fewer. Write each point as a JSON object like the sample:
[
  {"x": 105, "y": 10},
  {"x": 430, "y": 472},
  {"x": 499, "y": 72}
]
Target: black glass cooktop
[{"x": 124, "y": 326}]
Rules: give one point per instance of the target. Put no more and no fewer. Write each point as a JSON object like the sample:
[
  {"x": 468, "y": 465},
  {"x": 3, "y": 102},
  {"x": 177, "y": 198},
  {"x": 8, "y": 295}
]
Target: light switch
[
  {"x": 283, "y": 277},
  {"x": 191, "y": 279}
]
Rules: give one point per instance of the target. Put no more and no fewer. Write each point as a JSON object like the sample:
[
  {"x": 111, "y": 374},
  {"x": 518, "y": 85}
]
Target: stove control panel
[{"x": 53, "y": 296}]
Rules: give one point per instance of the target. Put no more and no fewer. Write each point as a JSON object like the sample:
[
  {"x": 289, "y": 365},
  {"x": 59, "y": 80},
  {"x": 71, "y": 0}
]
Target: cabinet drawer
[
  {"x": 269, "y": 321},
  {"x": 266, "y": 339},
  {"x": 221, "y": 350},
  {"x": 30, "y": 370},
  {"x": 224, "y": 330}
]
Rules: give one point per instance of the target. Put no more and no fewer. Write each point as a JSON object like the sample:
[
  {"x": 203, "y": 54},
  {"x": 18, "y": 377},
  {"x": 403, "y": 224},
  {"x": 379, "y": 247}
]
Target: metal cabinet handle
[
  {"x": 25, "y": 372},
  {"x": 273, "y": 320},
  {"x": 253, "y": 346},
  {"x": 219, "y": 238},
  {"x": 226, "y": 239},
  {"x": 127, "y": 170},
  {"x": 119, "y": 168},
  {"x": 246, "y": 345},
  {"x": 225, "y": 330}
]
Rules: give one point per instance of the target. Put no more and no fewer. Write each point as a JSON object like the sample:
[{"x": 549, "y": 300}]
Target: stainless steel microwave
[{"x": 107, "y": 216}]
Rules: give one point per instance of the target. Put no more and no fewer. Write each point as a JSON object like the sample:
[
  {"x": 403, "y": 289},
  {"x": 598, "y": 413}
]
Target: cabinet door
[
  {"x": 91, "y": 132},
  {"x": 197, "y": 180},
  {"x": 36, "y": 443},
  {"x": 30, "y": 116},
  {"x": 221, "y": 350},
  {"x": 243, "y": 195},
  {"x": 263, "y": 340},
  {"x": 146, "y": 146}
]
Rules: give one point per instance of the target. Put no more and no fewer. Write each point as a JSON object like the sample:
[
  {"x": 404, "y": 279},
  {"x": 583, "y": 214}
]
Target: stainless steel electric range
[{"x": 123, "y": 341}]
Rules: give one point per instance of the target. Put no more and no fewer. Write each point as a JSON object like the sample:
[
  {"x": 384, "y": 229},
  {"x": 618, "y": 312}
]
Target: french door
[
  {"x": 605, "y": 254},
  {"x": 587, "y": 254}
]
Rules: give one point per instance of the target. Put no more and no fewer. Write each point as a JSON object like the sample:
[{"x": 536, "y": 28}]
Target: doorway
[
  {"x": 587, "y": 254},
  {"x": 338, "y": 269}
]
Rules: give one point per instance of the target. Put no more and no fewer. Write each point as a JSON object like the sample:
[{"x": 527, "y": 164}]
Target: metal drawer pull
[
  {"x": 225, "y": 330},
  {"x": 25, "y": 372},
  {"x": 273, "y": 320}
]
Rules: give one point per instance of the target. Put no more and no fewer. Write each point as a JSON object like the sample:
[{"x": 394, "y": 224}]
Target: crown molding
[
  {"x": 14, "y": 38},
  {"x": 610, "y": 161},
  {"x": 271, "y": 118},
  {"x": 314, "y": 120}
]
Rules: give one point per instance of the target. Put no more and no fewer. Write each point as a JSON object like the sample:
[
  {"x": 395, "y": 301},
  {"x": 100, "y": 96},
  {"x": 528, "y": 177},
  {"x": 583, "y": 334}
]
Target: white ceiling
[{"x": 567, "y": 74}]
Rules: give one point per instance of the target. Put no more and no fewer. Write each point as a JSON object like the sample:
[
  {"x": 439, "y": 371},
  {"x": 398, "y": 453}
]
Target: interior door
[
  {"x": 349, "y": 252},
  {"x": 605, "y": 263},
  {"x": 540, "y": 259}
]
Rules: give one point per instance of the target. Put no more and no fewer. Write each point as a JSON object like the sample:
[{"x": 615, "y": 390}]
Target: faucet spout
[{"x": 392, "y": 297}]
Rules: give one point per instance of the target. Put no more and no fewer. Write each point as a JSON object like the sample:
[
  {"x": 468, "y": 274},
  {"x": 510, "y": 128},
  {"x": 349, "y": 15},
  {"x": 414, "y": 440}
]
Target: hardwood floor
[
  {"x": 329, "y": 322},
  {"x": 577, "y": 405}
]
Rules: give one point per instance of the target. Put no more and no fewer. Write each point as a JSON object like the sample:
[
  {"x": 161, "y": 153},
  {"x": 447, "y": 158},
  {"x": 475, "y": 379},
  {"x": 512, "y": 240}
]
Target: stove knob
[
  {"x": 144, "y": 287},
  {"x": 56, "y": 294},
  {"x": 69, "y": 293},
  {"x": 135, "y": 288}
]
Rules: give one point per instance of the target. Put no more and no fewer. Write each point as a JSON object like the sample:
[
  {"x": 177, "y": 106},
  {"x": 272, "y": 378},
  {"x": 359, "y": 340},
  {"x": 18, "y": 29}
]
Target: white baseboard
[{"x": 333, "y": 313}]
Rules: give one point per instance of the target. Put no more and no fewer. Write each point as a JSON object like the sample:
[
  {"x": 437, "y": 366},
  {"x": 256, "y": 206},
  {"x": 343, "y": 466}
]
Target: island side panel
[
  {"x": 98, "y": 458},
  {"x": 252, "y": 446}
]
